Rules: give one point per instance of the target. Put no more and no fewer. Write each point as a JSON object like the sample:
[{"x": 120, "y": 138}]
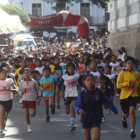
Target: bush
[{"x": 14, "y": 10}]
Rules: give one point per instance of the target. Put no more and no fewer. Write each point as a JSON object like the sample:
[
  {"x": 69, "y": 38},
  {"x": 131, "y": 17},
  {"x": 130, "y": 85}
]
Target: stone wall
[{"x": 130, "y": 39}]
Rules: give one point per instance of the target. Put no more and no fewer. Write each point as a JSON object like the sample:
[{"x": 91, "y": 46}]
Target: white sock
[{"x": 132, "y": 130}]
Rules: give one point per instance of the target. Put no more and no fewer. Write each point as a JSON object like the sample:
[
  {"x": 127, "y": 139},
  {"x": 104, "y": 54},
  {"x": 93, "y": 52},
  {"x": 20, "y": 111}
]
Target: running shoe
[
  {"x": 72, "y": 128},
  {"x": 132, "y": 134},
  {"x": 103, "y": 119},
  {"x": 53, "y": 110},
  {"x": 29, "y": 130},
  {"x": 47, "y": 118},
  {"x": 2, "y": 134},
  {"x": 58, "y": 107},
  {"x": 124, "y": 123}
]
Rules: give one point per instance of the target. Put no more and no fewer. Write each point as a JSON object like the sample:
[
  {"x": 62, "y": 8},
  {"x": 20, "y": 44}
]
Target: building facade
[
  {"x": 124, "y": 26},
  {"x": 94, "y": 13}
]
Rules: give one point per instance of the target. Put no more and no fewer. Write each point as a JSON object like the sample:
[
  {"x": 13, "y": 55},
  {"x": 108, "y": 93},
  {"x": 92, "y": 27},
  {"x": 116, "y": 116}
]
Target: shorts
[
  {"x": 127, "y": 103},
  {"x": 29, "y": 104},
  {"x": 47, "y": 98},
  {"x": 90, "y": 125},
  {"x": 7, "y": 105},
  {"x": 67, "y": 100}
]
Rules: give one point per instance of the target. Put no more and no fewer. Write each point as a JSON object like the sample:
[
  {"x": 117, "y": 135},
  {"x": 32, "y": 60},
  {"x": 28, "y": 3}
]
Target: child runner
[
  {"x": 128, "y": 80},
  {"x": 29, "y": 90},
  {"x": 70, "y": 81},
  {"x": 89, "y": 106},
  {"x": 47, "y": 84},
  {"x": 57, "y": 75},
  {"x": 6, "y": 87}
]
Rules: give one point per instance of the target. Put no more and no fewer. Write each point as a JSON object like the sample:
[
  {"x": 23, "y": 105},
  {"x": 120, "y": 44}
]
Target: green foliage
[{"x": 14, "y": 10}]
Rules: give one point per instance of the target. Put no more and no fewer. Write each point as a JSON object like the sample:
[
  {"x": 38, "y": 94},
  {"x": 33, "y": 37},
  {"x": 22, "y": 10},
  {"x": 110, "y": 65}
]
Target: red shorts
[
  {"x": 47, "y": 98},
  {"x": 29, "y": 104}
]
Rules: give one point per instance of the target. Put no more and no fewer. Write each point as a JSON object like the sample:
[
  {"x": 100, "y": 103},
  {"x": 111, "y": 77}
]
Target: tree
[
  {"x": 101, "y": 2},
  {"x": 14, "y": 10}
]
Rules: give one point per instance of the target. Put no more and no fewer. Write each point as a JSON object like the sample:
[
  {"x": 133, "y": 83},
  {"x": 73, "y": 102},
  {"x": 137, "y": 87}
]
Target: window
[
  {"x": 37, "y": 9},
  {"x": 85, "y": 10}
]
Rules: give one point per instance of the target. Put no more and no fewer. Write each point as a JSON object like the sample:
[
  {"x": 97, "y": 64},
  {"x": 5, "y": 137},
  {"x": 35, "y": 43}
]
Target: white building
[
  {"x": 123, "y": 14},
  {"x": 95, "y": 14}
]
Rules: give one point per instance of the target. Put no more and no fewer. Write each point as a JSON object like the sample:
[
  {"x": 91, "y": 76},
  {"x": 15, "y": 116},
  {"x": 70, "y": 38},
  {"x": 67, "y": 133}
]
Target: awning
[{"x": 10, "y": 24}]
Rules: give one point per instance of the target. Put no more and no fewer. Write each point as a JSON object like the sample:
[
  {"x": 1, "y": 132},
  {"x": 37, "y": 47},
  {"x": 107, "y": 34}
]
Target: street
[{"x": 58, "y": 126}]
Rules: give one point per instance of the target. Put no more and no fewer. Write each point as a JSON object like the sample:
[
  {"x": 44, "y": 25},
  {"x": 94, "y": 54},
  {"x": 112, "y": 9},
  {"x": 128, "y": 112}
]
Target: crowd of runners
[{"x": 86, "y": 75}]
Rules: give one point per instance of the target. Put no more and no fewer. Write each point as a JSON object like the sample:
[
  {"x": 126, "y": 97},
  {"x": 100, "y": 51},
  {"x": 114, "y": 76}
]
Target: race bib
[
  {"x": 71, "y": 83},
  {"x": 2, "y": 91},
  {"x": 29, "y": 89},
  {"x": 48, "y": 86}
]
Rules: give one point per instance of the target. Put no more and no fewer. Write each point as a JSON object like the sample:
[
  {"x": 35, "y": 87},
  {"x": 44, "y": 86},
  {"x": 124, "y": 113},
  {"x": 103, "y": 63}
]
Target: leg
[
  {"x": 6, "y": 117},
  {"x": 32, "y": 112},
  {"x": 26, "y": 112},
  {"x": 46, "y": 103},
  {"x": 67, "y": 109},
  {"x": 132, "y": 117},
  {"x": 86, "y": 133},
  {"x": 95, "y": 133},
  {"x": 2, "y": 113},
  {"x": 72, "y": 108},
  {"x": 57, "y": 98}
]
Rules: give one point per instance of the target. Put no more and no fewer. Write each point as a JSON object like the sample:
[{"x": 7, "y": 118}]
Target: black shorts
[
  {"x": 7, "y": 105},
  {"x": 92, "y": 125},
  {"x": 126, "y": 103},
  {"x": 67, "y": 100}
]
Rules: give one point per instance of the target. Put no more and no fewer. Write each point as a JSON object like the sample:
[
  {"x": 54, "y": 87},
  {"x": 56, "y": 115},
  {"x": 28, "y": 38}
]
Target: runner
[
  {"x": 29, "y": 91},
  {"x": 89, "y": 106},
  {"x": 70, "y": 81},
  {"x": 6, "y": 88},
  {"x": 47, "y": 84},
  {"x": 128, "y": 80}
]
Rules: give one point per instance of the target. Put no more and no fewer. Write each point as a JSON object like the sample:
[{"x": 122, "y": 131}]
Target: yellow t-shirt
[{"x": 124, "y": 78}]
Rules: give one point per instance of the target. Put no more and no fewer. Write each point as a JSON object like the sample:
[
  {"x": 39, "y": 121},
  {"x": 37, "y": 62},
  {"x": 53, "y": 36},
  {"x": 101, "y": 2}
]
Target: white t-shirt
[
  {"x": 115, "y": 67},
  {"x": 71, "y": 82},
  {"x": 40, "y": 69},
  {"x": 97, "y": 78},
  {"x": 5, "y": 95}
]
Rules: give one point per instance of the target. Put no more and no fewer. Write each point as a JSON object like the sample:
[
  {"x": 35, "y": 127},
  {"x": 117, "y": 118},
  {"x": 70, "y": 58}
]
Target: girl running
[
  {"x": 7, "y": 88},
  {"x": 89, "y": 106},
  {"x": 29, "y": 90},
  {"x": 70, "y": 81}
]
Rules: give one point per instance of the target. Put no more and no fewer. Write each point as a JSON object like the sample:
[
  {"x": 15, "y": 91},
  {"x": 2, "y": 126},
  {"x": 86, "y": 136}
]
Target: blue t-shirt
[{"x": 48, "y": 85}]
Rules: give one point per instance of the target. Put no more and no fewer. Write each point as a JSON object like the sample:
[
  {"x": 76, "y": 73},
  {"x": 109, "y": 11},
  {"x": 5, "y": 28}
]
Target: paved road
[{"x": 57, "y": 128}]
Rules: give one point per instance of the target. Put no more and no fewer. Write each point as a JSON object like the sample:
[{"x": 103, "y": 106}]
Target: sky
[{"x": 3, "y": 1}]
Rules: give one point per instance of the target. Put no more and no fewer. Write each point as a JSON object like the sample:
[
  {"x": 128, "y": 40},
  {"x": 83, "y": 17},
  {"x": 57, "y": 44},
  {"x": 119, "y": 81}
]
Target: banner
[{"x": 45, "y": 21}]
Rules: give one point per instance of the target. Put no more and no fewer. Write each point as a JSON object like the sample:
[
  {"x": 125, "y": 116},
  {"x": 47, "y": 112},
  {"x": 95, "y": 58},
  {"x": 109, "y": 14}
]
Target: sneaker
[
  {"x": 58, "y": 107},
  {"x": 139, "y": 108},
  {"x": 107, "y": 111},
  {"x": 124, "y": 123},
  {"x": 20, "y": 101},
  {"x": 132, "y": 134},
  {"x": 2, "y": 134},
  {"x": 29, "y": 130},
  {"x": 72, "y": 128},
  {"x": 47, "y": 118},
  {"x": 103, "y": 119},
  {"x": 53, "y": 110}
]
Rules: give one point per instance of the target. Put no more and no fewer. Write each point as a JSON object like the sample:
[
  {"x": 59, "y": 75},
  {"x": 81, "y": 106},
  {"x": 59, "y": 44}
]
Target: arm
[
  {"x": 78, "y": 104},
  {"x": 60, "y": 84},
  {"x": 107, "y": 101}
]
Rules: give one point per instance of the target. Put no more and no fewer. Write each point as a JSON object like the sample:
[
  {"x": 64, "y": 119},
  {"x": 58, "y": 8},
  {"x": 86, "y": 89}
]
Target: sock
[
  {"x": 123, "y": 119},
  {"x": 72, "y": 121},
  {"x": 132, "y": 130}
]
